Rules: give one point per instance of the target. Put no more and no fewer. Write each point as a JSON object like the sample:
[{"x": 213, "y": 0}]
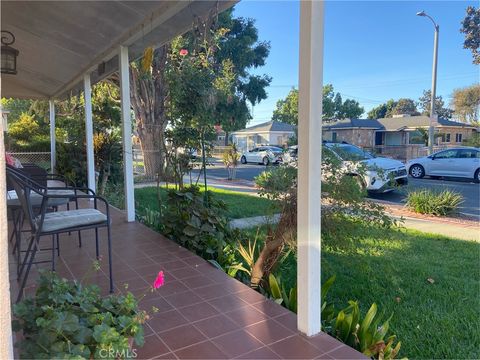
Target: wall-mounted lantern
[{"x": 9, "y": 54}]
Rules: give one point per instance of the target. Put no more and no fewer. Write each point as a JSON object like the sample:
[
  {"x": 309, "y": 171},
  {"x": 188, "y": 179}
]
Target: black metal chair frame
[
  {"x": 24, "y": 187},
  {"x": 17, "y": 219}
]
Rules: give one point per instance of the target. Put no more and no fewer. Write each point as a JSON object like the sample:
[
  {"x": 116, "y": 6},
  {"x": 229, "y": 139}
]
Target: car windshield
[
  {"x": 351, "y": 153},
  {"x": 273, "y": 148}
]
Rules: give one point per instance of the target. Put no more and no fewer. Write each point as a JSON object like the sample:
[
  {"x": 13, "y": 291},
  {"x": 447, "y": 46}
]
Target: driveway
[{"x": 469, "y": 190}]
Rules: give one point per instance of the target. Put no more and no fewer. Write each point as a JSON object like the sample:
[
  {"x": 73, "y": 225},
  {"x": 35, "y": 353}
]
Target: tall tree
[
  {"x": 148, "y": 93},
  {"x": 241, "y": 46},
  {"x": 286, "y": 110},
  {"x": 405, "y": 106},
  {"x": 471, "y": 29},
  {"x": 333, "y": 107},
  {"x": 349, "y": 109},
  {"x": 466, "y": 103},
  {"x": 382, "y": 110},
  {"x": 440, "y": 109}
]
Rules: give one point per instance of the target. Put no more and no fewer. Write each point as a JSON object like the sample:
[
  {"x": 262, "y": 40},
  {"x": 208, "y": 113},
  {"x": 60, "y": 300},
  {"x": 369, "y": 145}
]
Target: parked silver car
[
  {"x": 455, "y": 162},
  {"x": 262, "y": 155}
]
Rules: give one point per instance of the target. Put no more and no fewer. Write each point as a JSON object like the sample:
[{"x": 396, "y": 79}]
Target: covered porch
[
  {"x": 65, "y": 47},
  {"x": 203, "y": 313}
]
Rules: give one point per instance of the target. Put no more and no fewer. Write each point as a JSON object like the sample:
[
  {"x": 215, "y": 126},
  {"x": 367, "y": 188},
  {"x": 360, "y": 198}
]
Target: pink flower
[
  {"x": 159, "y": 281},
  {"x": 183, "y": 52}
]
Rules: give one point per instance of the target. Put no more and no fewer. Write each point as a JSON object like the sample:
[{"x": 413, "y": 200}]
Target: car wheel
[
  {"x": 266, "y": 161},
  {"x": 243, "y": 159},
  {"x": 477, "y": 176},
  {"x": 417, "y": 171}
]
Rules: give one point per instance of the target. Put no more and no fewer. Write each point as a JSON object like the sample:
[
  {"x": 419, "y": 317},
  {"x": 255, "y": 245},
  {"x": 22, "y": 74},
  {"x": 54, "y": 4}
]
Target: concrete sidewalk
[
  {"x": 470, "y": 232},
  {"x": 458, "y": 231}
]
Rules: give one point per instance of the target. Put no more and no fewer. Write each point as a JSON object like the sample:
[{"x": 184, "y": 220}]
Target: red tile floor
[{"x": 203, "y": 313}]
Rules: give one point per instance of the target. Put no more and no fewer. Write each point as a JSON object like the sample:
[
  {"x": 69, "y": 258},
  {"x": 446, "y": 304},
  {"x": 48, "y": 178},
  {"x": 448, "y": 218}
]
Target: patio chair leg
[
  {"x": 96, "y": 243},
  {"x": 68, "y": 208},
  {"x": 110, "y": 258},
  {"x": 53, "y": 252},
  {"x": 18, "y": 225},
  {"x": 30, "y": 261},
  {"x": 79, "y": 233},
  {"x": 14, "y": 232},
  {"x": 14, "y": 235}
]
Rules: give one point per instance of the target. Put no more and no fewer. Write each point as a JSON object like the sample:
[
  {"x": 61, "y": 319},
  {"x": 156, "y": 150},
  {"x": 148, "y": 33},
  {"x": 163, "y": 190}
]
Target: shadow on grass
[{"x": 430, "y": 283}]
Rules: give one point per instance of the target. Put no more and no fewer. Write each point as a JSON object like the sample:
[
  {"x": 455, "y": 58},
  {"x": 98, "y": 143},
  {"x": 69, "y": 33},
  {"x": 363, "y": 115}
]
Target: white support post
[
  {"x": 309, "y": 166},
  {"x": 89, "y": 132},
  {"x": 127, "y": 133},
  {"x": 53, "y": 151},
  {"x": 6, "y": 340}
]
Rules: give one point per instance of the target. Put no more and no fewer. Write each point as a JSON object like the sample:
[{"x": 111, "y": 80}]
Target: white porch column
[
  {"x": 127, "y": 133},
  {"x": 309, "y": 166},
  {"x": 6, "y": 342},
  {"x": 53, "y": 151},
  {"x": 89, "y": 132}
]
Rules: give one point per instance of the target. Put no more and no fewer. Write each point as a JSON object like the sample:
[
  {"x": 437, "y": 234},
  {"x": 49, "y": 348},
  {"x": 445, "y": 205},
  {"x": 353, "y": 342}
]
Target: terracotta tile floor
[{"x": 203, "y": 313}]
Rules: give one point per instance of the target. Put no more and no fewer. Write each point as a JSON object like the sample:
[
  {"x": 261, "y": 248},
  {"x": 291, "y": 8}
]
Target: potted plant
[{"x": 66, "y": 319}]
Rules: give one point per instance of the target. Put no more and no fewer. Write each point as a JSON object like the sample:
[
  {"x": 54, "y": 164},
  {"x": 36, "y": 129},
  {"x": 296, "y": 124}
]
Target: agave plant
[{"x": 366, "y": 335}]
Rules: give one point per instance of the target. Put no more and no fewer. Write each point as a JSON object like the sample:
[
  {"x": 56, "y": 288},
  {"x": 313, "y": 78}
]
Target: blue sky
[{"x": 374, "y": 50}]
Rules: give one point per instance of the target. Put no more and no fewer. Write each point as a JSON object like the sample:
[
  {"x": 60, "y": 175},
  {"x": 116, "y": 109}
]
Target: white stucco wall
[{"x": 6, "y": 348}]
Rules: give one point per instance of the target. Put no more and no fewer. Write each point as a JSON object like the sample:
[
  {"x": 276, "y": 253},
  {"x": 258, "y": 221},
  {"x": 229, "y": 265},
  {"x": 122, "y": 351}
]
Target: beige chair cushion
[
  {"x": 59, "y": 220},
  {"x": 36, "y": 199}
]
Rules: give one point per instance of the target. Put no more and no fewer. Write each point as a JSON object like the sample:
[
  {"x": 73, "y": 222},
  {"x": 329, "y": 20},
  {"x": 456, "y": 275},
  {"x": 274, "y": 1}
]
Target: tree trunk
[
  {"x": 285, "y": 232},
  {"x": 148, "y": 94}
]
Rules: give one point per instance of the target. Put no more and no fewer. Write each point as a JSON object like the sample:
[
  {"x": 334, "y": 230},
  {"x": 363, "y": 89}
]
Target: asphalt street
[{"x": 469, "y": 190}]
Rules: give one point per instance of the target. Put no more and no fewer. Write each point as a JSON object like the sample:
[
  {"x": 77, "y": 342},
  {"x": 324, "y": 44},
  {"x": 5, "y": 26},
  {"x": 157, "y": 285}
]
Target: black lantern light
[{"x": 9, "y": 54}]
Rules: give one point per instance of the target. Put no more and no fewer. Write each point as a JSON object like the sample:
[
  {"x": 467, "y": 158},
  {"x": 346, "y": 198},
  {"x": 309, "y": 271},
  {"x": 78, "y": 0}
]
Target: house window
[
  {"x": 334, "y": 136},
  {"x": 444, "y": 138},
  {"x": 458, "y": 138}
]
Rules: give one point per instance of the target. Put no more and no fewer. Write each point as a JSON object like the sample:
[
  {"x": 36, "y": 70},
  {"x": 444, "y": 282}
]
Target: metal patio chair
[
  {"x": 41, "y": 178},
  {"x": 44, "y": 223}
]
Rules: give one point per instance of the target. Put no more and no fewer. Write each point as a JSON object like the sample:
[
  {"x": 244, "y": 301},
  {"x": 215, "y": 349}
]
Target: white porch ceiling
[{"x": 60, "y": 41}]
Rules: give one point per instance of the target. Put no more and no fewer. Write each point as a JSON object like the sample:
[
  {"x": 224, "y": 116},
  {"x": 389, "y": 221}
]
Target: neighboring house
[
  {"x": 399, "y": 136},
  {"x": 269, "y": 133}
]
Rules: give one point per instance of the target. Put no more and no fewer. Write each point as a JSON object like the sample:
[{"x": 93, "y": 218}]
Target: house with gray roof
[
  {"x": 269, "y": 133},
  {"x": 400, "y": 136}
]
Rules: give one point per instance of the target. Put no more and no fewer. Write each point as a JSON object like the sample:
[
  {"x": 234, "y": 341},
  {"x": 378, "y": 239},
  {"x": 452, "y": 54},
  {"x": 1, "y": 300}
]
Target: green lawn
[
  {"x": 439, "y": 320},
  {"x": 239, "y": 204}
]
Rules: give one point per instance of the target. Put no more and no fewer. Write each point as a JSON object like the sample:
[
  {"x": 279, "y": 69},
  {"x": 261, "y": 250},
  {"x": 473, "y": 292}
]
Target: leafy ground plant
[
  {"x": 67, "y": 320},
  {"x": 438, "y": 203}
]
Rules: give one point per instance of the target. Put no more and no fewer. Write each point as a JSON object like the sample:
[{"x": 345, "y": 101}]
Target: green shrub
[
  {"x": 67, "y": 320},
  {"x": 198, "y": 223},
  {"x": 439, "y": 203}
]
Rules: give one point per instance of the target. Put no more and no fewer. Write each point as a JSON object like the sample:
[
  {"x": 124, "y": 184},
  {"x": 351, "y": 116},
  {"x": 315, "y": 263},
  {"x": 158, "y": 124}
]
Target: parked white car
[
  {"x": 262, "y": 155},
  {"x": 381, "y": 174},
  {"x": 455, "y": 162}
]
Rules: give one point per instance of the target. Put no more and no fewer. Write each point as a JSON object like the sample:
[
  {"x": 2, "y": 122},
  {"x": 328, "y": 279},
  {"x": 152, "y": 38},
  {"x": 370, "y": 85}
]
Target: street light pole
[{"x": 431, "y": 133}]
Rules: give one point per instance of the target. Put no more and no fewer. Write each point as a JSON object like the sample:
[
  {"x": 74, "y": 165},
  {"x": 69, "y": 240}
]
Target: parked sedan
[
  {"x": 262, "y": 155},
  {"x": 381, "y": 174},
  {"x": 455, "y": 162}
]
